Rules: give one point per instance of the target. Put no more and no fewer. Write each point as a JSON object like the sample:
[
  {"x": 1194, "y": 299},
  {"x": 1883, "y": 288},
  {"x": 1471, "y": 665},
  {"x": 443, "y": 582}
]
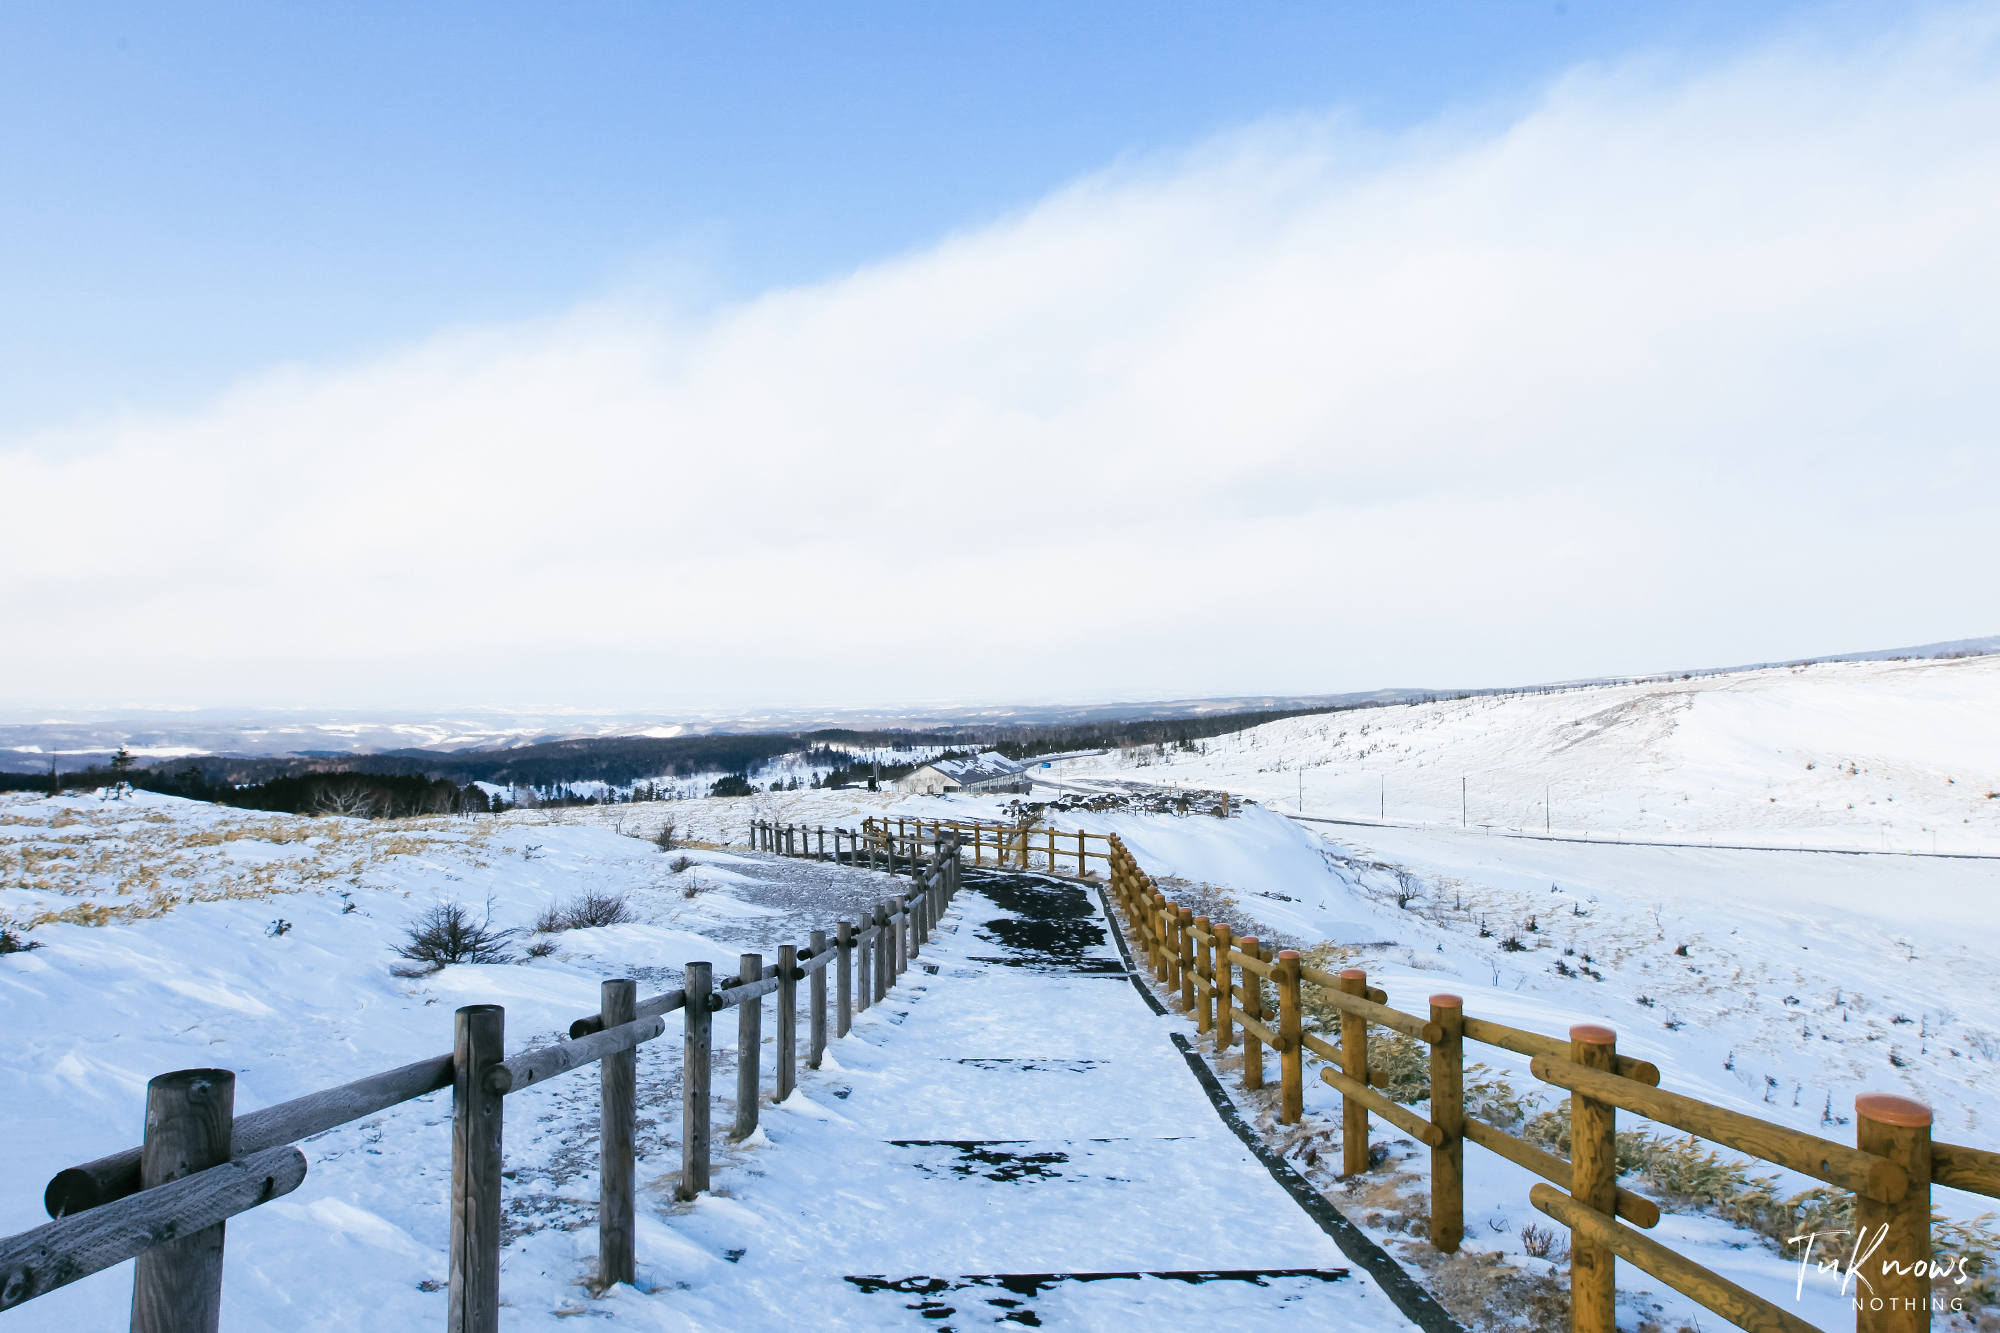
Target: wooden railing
[
  {"x": 874, "y": 848},
  {"x": 165, "y": 1202},
  {"x": 888, "y": 841},
  {"x": 1214, "y": 976},
  {"x": 1015, "y": 845}
]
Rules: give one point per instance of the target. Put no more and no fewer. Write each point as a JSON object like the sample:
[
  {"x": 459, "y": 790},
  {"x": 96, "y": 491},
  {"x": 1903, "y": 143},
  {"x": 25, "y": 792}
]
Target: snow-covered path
[{"x": 1019, "y": 1111}]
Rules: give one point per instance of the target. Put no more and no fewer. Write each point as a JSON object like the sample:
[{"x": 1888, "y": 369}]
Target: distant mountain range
[{"x": 29, "y": 739}]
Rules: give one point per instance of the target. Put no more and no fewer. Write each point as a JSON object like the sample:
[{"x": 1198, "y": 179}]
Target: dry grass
[{"x": 96, "y": 866}]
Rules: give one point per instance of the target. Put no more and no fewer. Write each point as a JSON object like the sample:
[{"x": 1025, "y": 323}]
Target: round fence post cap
[
  {"x": 1593, "y": 1034},
  {"x": 1444, "y": 1001},
  {"x": 1288, "y": 953},
  {"x": 1353, "y": 974},
  {"x": 1886, "y": 1108}
]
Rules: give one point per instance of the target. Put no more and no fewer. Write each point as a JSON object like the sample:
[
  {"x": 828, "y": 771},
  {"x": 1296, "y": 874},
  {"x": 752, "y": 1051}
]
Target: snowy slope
[
  {"x": 1877, "y": 755},
  {"x": 1808, "y": 977},
  {"x": 864, "y": 1172}
]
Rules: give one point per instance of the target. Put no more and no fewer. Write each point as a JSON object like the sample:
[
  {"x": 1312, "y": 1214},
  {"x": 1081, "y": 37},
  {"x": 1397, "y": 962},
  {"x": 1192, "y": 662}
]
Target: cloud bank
[{"x": 1675, "y": 366}]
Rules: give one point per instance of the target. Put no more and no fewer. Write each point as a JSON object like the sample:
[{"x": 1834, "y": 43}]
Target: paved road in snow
[{"x": 1019, "y": 1111}]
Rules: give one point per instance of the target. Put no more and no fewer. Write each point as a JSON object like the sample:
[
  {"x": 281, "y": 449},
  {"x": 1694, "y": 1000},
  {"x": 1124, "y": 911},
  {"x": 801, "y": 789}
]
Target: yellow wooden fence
[{"x": 1214, "y": 976}]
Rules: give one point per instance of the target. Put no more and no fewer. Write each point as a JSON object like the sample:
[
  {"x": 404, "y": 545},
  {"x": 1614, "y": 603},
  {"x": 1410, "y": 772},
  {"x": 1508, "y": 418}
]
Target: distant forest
[{"x": 403, "y": 782}]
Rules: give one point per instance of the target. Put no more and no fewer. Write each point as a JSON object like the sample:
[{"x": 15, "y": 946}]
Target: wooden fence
[
  {"x": 165, "y": 1202},
  {"x": 1215, "y": 976},
  {"x": 887, "y": 840}
]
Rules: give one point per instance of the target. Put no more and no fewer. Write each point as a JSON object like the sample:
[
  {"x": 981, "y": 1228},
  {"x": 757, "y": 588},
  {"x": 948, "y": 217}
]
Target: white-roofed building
[{"x": 988, "y": 772}]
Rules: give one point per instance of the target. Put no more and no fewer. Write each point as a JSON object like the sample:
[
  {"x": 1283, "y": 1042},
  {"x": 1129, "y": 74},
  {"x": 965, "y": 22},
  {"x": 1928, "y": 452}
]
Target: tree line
[{"x": 407, "y": 782}]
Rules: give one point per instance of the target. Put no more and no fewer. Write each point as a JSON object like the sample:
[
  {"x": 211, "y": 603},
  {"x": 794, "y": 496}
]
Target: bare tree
[{"x": 356, "y": 802}]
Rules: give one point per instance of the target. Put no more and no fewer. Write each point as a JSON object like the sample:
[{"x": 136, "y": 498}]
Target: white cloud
[{"x": 1672, "y": 369}]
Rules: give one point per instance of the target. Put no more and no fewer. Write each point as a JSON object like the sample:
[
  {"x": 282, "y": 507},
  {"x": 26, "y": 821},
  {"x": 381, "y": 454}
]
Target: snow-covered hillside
[
  {"x": 1899, "y": 756},
  {"x": 1774, "y": 981}
]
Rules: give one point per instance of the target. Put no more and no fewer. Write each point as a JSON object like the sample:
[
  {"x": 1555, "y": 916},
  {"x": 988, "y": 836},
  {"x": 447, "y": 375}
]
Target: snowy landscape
[{"x": 1755, "y": 974}]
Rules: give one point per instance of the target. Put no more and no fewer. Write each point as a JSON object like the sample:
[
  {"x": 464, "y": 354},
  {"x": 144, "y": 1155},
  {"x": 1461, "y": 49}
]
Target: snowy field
[
  {"x": 1897, "y": 756},
  {"x": 1779, "y": 982},
  {"x": 988, "y": 1119}
]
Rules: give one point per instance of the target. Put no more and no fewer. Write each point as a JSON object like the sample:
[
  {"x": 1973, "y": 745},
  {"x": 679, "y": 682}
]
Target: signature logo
[{"x": 1848, "y": 1267}]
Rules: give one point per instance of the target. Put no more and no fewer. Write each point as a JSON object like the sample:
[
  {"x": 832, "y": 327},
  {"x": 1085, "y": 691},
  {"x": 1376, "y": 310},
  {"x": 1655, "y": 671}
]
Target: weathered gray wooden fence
[{"x": 165, "y": 1202}]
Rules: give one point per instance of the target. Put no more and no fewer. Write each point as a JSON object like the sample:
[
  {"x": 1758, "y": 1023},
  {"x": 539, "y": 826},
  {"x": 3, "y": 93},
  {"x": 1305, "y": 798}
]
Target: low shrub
[
  {"x": 680, "y": 863},
  {"x": 448, "y": 934},
  {"x": 581, "y": 913}
]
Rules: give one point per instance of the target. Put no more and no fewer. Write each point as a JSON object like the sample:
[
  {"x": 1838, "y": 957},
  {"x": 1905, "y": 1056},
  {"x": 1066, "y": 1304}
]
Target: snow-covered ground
[
  {"x": 1897, "y": 756},
  {"x": 988, "y": 1119},
  {"x": 1808, "y": 978},
  {"x": 1779, "y": 982}
]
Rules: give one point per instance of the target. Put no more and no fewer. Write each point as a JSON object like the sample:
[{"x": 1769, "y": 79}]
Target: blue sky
[
  {"x": 644, "y": 358},
  {"x": 196, "y": 192}
]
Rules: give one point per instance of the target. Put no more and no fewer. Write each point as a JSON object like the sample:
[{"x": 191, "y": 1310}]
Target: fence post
[
  {"x": 1149, "y": 908},
  {"x": 1253, "y": 1007},
  {"x": 617, "y": 1087},
  {"x": 749, "y": 1046},
  {"x": 1899, "y": 1129},
  {"x": 481, "y": 1040},
  {"x": 1354, "y": 1064},
  {"x": 177, "y": 1284},
  {"x": 1291, "y": 1056},
  {"x": 1593, "y": 1158},
  {"x": 1448, "y": 1114},
  {"x": 864, "y": 957},
  {"x": 818, "y": 1000},
  {"x": 883, "y": 956},
  {"x": 786, "y": 1068},
  {"x": 914, "y": 906},
  {"x": 843, "y": 1013},
  {"x": 892, "y": 926},
  {"x": 1184, "y": 933},
  {"x": 1204, "y": 966},
  {"x": 1225, "y": 1000},
  {"x": 696, "y": 981}
]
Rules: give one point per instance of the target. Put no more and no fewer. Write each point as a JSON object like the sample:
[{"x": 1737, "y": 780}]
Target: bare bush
[
  {"x": 666, "y": 837},
  {"x": 12, "y": 943},
  {"x": 581, "y": 913},
  {"x": 680, "y": 863},
  {"x": 448, "y": 934}
]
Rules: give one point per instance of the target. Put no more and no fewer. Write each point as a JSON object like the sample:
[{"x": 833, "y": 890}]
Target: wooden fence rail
[
  {"x": 888, "y": 841},
  {"x": 165, "y": 1202},
  {"x": 1218, "y": 979}
]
